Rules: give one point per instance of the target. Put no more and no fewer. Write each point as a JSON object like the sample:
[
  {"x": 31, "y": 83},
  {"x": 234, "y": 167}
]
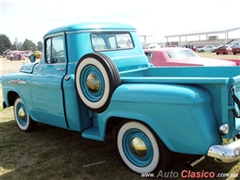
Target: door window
[{"x": 55, "y": 50}]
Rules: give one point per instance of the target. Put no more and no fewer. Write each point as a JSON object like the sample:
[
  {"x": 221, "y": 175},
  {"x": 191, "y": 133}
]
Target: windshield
[{"x": 180, "y": 54}]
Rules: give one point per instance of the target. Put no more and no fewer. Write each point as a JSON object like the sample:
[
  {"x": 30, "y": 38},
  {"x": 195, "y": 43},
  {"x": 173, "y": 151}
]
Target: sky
[{"x": 31, "y": 19}]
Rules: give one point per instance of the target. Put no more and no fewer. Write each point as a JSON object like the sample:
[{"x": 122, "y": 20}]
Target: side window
[
  {"x": 55, "y": 50},
  {"x": 98, "y": 43}
]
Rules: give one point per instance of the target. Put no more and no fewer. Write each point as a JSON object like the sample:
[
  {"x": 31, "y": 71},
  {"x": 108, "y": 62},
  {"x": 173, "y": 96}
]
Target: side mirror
[
  {"x": 32, "y": 58},
  {"x": 53, "y": 60}
]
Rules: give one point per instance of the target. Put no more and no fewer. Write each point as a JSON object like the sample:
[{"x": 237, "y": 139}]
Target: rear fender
[{"x": 181, "y": 115}]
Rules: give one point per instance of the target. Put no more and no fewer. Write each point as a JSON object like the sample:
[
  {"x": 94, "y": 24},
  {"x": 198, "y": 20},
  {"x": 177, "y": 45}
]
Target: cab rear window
[{"x": 111, "y": 41}]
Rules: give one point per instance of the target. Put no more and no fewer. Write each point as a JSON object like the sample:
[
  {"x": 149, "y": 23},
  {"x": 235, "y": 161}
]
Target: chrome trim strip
[
  {"x": 17, "y": 82},
  {"x": 53, "y": 35},
  {"x": 60, "y": 69},
  {"x": 121, "y": 57},
  {"x": 99, "y": 30},
  {"x": 225, "y": 153},
  {"x": 133, "y": 70}
]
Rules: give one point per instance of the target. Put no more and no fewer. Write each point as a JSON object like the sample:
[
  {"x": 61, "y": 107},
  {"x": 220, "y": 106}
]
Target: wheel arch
[
  {"x": 11, "y": 96},
  {"x": 115, "y": 120}
]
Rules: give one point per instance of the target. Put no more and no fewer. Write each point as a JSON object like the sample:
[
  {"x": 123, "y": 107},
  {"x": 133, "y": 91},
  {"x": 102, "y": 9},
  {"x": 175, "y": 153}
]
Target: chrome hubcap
[
  {"x": 93, "y": 83},
  {"x": 138, "y": 147},
  {"x": 21, "y": 113}
]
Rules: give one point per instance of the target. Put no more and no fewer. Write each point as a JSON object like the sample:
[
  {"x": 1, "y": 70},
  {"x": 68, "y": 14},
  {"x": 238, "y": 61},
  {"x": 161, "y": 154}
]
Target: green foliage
[
  {"x": 5, "y": 43},
  {"x": 39, "y": 46},
  {"x": 28, "y": 45}
]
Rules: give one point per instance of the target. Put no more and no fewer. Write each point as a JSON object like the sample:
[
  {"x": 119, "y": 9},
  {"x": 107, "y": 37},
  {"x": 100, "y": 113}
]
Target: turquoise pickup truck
[{"x": 93, "y": 77}]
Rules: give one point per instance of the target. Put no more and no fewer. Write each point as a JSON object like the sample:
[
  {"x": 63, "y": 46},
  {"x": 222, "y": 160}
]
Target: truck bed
[
  {"x": 222, "y": 82},
  {"x": 189, "y": 75}
]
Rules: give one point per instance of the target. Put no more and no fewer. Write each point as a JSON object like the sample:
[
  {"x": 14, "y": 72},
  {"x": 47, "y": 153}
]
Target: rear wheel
[
  {"x": 140, "y": 148},
  {"x": 234, "y": 53},
  {"x": 23, "y": 120}
]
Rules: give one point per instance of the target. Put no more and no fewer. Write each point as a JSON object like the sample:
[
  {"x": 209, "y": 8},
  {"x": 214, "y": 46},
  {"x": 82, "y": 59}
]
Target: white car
[{"x": 207, "y": 48}]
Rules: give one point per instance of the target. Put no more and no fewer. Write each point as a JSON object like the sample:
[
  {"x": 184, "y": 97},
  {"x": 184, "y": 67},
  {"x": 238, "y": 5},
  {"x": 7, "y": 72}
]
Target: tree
[
  {"x": 39, "y": 45},
  {"x": 17, "y": 44},
  {"x": 28, "y": 45},
  {"x": 5, "y": 43}
]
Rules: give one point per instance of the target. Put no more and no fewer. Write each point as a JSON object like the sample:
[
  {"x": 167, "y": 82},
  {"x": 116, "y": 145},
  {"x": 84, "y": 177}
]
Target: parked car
[
  {"x": 214, "y": 49},
  {"x": 236, "y": 49},
  {"x": 27, "y": 54},
  {"x": 235, "y": 44},
  {"x": 183, "y": 57},
  {"x": 207, "y": 48},
  {"x": 15, "y": 55},
  {"x": 151, "y": 46},
  {"x": 198, "y": 46},
  {"x": 224, "y": 49}
]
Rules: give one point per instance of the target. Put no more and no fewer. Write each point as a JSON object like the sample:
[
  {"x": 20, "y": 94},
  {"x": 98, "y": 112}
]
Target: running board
[{"x": 92, "y": 133}]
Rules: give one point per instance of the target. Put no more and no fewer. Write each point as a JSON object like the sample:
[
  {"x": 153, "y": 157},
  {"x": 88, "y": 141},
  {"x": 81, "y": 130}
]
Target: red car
[
  {"x": 16, "y": 55},
  {"x": 183, "y": 57},
  {"x": 236, "y": 49},
  {"x": 195, "y": 47},
  {"x": 224, "y": 49}
]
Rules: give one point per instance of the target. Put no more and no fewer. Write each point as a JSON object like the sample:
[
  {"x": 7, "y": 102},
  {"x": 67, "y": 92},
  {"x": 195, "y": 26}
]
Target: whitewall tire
[
  {"x": 96, "y": 77},
  {"x": 22, "y": 118},
  {"x": 140, "y": 149}
]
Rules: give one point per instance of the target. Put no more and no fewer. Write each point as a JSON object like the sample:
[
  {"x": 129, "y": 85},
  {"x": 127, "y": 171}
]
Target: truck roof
[{"x": 90, "y": 26}]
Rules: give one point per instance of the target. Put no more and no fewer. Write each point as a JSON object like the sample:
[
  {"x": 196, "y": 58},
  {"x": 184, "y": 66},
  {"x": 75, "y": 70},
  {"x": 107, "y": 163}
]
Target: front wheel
[
  {"x": 140, "y": 149},
  {"x": 23, "y": 120}
]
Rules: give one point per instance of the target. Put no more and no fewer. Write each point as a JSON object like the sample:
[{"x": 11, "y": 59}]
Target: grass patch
[{"x": 54, "y": 153}]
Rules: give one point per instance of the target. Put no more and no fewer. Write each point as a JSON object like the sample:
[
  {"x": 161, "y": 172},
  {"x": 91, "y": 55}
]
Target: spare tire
[{"x": 96, "y": 78}]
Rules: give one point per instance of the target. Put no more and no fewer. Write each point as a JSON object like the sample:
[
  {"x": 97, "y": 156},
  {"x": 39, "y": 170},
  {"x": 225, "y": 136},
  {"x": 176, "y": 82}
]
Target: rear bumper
[{"x": 225, "y": 153}]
